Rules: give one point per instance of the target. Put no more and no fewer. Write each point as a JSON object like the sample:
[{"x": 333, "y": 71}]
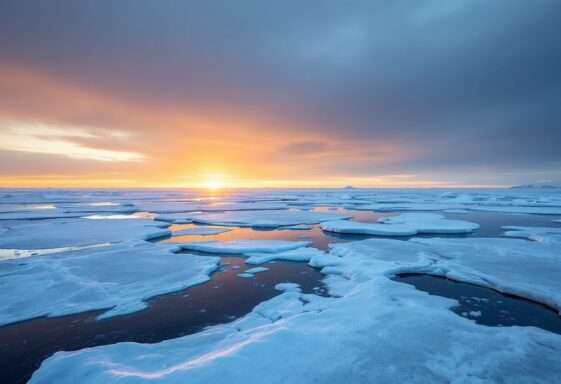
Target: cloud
[
  {"x": 44, "y": 139},
  {"x": 432, "y": 88},
  {"x": 304, "y": 148}
]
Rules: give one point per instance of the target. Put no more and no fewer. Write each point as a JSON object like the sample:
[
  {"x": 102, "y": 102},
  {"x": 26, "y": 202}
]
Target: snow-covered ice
[
  {"x": 298, "y": 254},
  {"x": 239, "y": 247},
  {"x": 405, "y": 224},
  {"x": 200, "y": 231},
  {"x": 378, "y": 330},
  {"x": 355, "y": 227},
  {"x": 265, "y": 219},
  {"x": 77, "y": 232},
  {"x": 529, "y": 269},
  {"x": 256, "y": 270},
  {"x": 371, "y": 328},
  {"x": 431, "y": 223},
  {"x": 7, "y": 254},
  {"x": 246, "y": 275},
  {"x": 119, "y": 278},
  {"x": 288, "y": 287}
]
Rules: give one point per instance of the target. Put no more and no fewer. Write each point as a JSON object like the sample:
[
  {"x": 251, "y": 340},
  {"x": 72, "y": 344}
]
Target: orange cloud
[{"x": 179, "y": 145}]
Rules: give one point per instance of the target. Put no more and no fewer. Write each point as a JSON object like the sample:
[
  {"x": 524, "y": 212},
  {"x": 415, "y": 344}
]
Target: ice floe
[
  {"x": 118, "y": 278},
  {"x": 200, "y": 231},
  {"x": 246, "y": 275},
  {"x": 77, "y": 232},
  {"x": 431, "y": 223},
  {"x": 239, "y": 247},
  {"x": 265, "y": 219},
  {"x": 529, "y": 269},
  {"x": 518, "y": 209},
  {"x": 288, "y": 287},
  {"x": 299, "y": 254},
  {"x": 405, "y": 224},
  {"x": 377, "y": 330},
  {"x": 360, "y": 228},
  {"x": 371, "y": 329},
  {"x": 7, "y": 254},
  {"x": 540, "y": 234}
]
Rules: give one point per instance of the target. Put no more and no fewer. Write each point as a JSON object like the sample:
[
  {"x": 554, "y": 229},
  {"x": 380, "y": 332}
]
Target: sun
[
  {"x": 213, "y": 185},
  {"x": 213, "y": 181}
]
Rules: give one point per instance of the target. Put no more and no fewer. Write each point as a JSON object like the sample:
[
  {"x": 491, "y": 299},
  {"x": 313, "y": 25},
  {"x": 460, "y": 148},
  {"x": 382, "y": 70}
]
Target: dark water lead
[
  {"x": 486, "y": 306},
  {"x": 24, "y": 345}
]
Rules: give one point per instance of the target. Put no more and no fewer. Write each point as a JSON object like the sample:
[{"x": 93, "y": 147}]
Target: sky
[{"x": 403, "y": 93}]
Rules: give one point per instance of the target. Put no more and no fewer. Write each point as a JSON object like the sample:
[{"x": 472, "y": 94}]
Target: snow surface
[
  {"x": 431, "y": 223},
  {"x": 265, "y": 219},
  {"x": 238, "y": 247},
  {"x": 246, "y": 275},
  {"x": 405, "y": 224},
  {"x": 376, "y": 330},
  {"x": 77, "y": 232},
  {"x": 7, "y": 254},
  {"x": 119, "y": 278},
  {"x": 372, "y": 329},
  {"x": 529, "y": 269},
  {"x": 288, "y": 287},
  {"x": 356, "y": 227},
  {"x": 299, "y": 254},
  {"x": 200, "y": 231}
]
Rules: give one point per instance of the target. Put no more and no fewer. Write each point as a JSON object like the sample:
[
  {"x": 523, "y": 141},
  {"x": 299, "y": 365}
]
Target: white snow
[
  {"x": 238, "y": 247},
  {"x": 529, "y": 269},
  {"x": 372, "y": 329},
  {"x": 356, "y": 227},
  {"x": 299, "y": 254},
  {"x": 256, "y": 270},
  {"x": 288, "y": 287},
  {"x": 378, "y": 330},
  {"x": 540, "y": 234},
  {"x": 516, "y": 209},
  {"x": 265, "y": 219},
  {"x": 405, "y": 224},
  {"x": 431, "y": 223},
  {"x": 7, "y": 254},
  {"x": 246, "y": 275},
  {"x": 119, "y": 278},
  {"x": 77, "y": 232},
  {"x": 200, "y": 231}
]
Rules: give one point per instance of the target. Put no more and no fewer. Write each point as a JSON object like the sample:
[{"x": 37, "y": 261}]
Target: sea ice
[
  {"x": 200, "y": 231},
  {"x": 256, "y": 270},
  {"x": 288, "y": 287},
  {"x": 299, "y": 254},
  {"x": 529, "y": 269},
  {"x": 239, "y": 247},
  {"x": 7, "y": 254},
  {"x": 246, "y": 275},
  {"x": 119, "y": 278},
  {"x": 265, "y": 219},
  {"x": 77, "y": 232},
  {"x": 431, "y": 223},
  {"x": 405, "y": 224},
  {"x": 537, "y": 210},
  {"x": 378, "y": 330},
  {"x": 355, "y": 227}
]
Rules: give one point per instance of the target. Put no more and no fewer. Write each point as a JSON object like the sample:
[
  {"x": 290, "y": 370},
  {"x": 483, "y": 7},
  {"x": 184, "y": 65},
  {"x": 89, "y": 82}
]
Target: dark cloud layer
[{"x": 466, "y": 83}]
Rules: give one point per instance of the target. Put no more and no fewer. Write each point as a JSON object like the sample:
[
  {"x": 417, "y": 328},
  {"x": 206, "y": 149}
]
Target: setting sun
[{"x": 213, "y": 182}]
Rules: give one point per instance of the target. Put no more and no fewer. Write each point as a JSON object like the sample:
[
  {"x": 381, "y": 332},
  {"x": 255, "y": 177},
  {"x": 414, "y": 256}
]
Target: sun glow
[{"x": 213, "y": 182}]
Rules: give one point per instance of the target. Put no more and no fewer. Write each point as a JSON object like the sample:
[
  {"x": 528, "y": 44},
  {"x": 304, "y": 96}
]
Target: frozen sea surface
[{"x": 456, "y": 234}]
